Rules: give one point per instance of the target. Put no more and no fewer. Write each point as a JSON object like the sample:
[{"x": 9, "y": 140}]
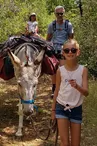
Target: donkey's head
[{"x": 27, "y": 78}]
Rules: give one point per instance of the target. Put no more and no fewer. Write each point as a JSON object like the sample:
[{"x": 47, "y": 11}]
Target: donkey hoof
[{"x": 19, "y": 134}]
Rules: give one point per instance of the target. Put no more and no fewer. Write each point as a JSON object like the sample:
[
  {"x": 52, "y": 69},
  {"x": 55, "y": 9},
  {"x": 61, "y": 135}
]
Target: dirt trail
[{"x": 9, "y": 116}]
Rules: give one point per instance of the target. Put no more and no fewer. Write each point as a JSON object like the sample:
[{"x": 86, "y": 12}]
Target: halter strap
[{"x": 27, "y": 101}]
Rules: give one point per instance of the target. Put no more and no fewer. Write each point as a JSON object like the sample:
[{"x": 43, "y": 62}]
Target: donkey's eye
[{"x": 34, "y": 85}]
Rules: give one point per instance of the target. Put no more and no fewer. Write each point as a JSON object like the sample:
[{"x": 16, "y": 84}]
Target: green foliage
[
  {"x": 14, "y": 14},
  {"x": 86, "y": 34},
  {"x": 68, "y": 4},
  {"x": 12, "y": 19},
  {"x": 90, "y": 104}
]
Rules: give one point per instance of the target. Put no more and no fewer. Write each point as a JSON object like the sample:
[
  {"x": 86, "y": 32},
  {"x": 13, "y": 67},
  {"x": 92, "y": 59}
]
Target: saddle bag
[
  {"x": 50, "y": 65},
  {"x": 6, "y": 68}
]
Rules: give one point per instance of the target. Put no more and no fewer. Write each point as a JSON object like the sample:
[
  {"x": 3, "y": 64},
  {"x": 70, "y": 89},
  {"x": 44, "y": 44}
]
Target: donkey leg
[{"x": 20, "y": 126}]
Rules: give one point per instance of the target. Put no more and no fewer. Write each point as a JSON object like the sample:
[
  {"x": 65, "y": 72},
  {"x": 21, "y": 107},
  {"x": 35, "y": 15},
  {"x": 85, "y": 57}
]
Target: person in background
[
  {"x": 32, "y": 26},
  {"x": 71, "y": 86},
  {"x": 58, "y": 32}
]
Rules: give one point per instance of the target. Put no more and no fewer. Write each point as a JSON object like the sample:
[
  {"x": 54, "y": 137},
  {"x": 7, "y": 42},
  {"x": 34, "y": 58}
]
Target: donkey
[{"x": 27, "y": 60}]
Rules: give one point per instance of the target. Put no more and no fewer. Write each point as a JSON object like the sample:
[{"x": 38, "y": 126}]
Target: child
[
  {"x": 71, "y": 86},
  {"x": 32, "y": 26}
]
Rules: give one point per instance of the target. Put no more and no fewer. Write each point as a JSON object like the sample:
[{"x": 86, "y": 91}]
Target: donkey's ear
[
  {"x": 15, "y": 60},
  {"x": 39, "y": 57}
]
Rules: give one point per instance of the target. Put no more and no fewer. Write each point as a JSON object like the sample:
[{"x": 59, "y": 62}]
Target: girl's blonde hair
[{"x": 73, "y": 41}]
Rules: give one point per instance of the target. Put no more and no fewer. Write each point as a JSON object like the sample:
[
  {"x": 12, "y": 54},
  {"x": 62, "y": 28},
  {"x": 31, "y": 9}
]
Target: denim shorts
[{"x": 73, "y": 115}]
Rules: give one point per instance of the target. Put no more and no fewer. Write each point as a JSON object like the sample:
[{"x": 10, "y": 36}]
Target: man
[{"x": 58, "y": 32}]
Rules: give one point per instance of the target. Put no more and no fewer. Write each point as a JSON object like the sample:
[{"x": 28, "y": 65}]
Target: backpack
[{"x": 65, "y": 25}]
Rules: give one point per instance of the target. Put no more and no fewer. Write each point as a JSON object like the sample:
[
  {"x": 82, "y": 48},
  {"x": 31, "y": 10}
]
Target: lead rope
[
  {"x": 35, "y": 129},
  {"x": 54, "y": 128}
]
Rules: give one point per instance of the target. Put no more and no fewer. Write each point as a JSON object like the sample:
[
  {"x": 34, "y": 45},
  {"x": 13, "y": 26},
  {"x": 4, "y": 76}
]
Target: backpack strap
[
  {"x": 54, "y": 25},
  {"x": 65, "y": 25}
]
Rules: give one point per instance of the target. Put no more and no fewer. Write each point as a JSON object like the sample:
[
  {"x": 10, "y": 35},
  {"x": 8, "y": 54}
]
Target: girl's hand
[
  {"x": 53, "y": 115},
  {"x": 73, "y": 83}
]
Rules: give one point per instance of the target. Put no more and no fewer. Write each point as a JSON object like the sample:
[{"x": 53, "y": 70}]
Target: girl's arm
[
  {"x": 58, "y": 81},
  {"x": 36, "y": 29},
  {"x": 84, "y": 88},
  {"x": 27, "y": 29}
]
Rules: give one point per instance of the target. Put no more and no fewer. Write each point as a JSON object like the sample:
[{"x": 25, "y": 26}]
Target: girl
[
  {"x": 71, "y": 86},
  {"x": 32, "y": 26}
]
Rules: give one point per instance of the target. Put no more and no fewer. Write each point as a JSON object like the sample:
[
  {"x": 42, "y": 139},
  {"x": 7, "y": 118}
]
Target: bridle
[{"x": 28, "y": 101}]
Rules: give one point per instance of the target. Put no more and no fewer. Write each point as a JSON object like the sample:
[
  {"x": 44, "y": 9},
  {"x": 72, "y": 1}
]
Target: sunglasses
[
  {"x": 59, "y": 14},
  {"x": 67, "y": 50}
]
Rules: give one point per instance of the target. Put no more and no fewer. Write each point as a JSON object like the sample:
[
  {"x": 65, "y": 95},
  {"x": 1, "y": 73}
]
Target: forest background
[{"x": 15, "y": 13}]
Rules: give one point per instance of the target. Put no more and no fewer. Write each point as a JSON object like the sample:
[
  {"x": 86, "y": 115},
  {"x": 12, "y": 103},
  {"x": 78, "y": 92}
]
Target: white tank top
[
  {"x": 32, "y": 26},
  {"x": 67, "y": 94}
]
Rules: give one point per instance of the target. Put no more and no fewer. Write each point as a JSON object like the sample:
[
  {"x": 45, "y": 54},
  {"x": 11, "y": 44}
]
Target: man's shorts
[{"x": 73, "y": 115}]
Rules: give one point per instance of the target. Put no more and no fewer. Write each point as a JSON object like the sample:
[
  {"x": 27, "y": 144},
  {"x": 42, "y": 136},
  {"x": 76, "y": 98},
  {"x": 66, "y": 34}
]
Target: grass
[{"x": 89, "y": 126}]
